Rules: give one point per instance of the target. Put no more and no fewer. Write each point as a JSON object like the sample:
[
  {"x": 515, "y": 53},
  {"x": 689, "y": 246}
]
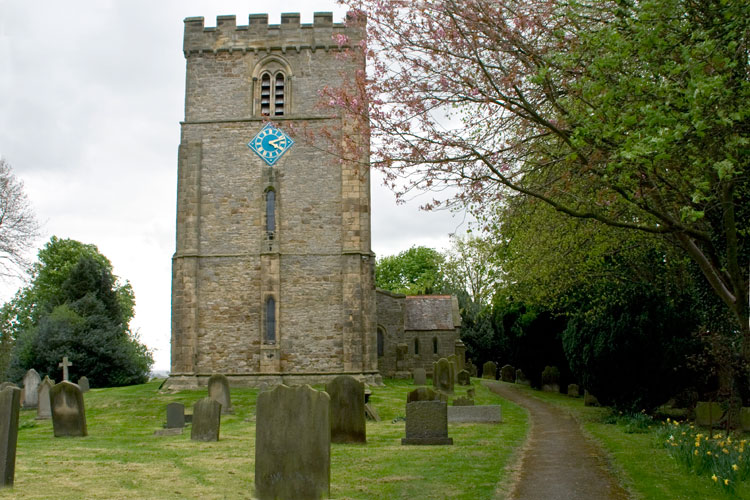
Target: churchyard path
[{"x": 558, "y": 462}]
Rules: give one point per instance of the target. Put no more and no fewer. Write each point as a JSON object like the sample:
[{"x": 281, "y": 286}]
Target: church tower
[{"x": 272, "y": 278}]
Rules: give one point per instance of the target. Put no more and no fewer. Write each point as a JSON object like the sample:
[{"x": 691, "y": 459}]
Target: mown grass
[
  {"x": 639, "y": 455},
  {"x": 121, "y": 458}
]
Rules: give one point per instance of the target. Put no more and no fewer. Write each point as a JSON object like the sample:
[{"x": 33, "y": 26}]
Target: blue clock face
[{"x": 270, "y": 143}]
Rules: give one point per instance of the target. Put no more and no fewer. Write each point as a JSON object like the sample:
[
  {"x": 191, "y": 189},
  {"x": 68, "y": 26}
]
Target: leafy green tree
[
  {"x": 75, "y": 307},
  {"x": 415, "y": 271}
]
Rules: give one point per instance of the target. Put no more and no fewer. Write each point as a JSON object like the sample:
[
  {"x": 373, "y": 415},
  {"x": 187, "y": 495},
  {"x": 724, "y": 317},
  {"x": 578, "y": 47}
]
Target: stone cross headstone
[
  {"x": 489, "y": 370},
  {"x": 44, "y": 410},
  {"x": 83, "y": 383},
  {"x": 443, "y": 376},
  {"x": 420, "y": 376},
  {"x": 10, "y": 407},
  {"x": 206, "y": 420},
  {"x": 347, "y": 410},
  {"x": 218, "y": 390},
  {"x": 65, "y": 364},
  {"x": 31, "y": 382},
  {"x": 463, "y": 378},
  {"x": 292, "y": 444},
  {"x": 508, "y": 374},
  {"x": 427, "y": 423},
  {"x": 175, "y": 415},
  {"x": 68, "y": 411}
]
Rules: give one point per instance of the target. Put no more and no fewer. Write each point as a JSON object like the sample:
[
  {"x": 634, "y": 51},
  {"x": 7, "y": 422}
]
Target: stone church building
[{"x": 273, "y": 274}]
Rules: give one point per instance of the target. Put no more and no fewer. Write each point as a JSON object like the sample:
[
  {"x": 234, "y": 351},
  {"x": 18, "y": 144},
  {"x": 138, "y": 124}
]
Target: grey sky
[{"x": 92, "y": 96}]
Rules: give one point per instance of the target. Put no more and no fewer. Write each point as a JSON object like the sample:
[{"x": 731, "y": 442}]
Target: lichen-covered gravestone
[
  {"x": 31, "y": 383},
  {"x": 463, "y": 378},
  {"x": 83, "y": 383},
  {"x": 206, "y": 420},
  {"x": 443, "y": 376},
  {"x": 427, "y": 423},
  {"x": 292, "y": 444},
  {"x": 175, "y": 415},
  {"x": 218, "y": 390},
  {"x": 68, "y": 412},
  {"x": 10, "y": 406},
  {"x": 347, "y": 410},
  {"x": 508, "y": 374},
  {"x": 420, "y": 376},
  {"x": 422, "y": 394},
  {"x": 43, "y": 409},
  {"x": 521, "y": 378},
  {"x": 489, "y": 370}
]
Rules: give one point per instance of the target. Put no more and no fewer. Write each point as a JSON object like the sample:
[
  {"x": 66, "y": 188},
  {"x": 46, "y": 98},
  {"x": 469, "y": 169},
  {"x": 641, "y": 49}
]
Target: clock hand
[{"x": 275, "y": 142}]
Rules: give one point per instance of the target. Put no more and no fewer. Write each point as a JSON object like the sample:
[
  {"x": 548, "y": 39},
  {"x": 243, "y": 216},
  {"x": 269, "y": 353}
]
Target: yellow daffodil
[
  {"x": 725, "y": 451},
  {"x": 714, "y": 478},
  {"x": 734, "y": 467},
  {"x": 726, "y": 482}
]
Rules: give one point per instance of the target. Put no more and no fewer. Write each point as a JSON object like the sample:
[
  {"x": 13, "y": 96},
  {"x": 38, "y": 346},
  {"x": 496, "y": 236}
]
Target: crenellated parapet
[{"x": 259, "y": 35}]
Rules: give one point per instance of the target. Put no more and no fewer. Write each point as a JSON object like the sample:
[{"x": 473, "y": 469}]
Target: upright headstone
[
  {"x": 65, "y": 364},
  {"x": 68, "y": 412},
  {"x": 427, "y": 423},
  {"x": 83, "y": 383},
  {"x": 463, "y": 401},
  {"x": 218, "y": 390},
  {"x": 471, "y": 368},
  {"x": 443, "y": 376},
  {"x": 175, "y": 415},
  {"x": 292, "y": 444},
  {"x": 573, "y": 390},
  {"x": 206, "y": 420},
  {"x": 31, "y": 383},
  {"x": 489, "y": 370},
  {"x": 521, "y": 378},
  {"x": 10, "y": 406},
  {"x": 347, "y": 410},
  {"x": 708, "y": 413},
  {"x": 44, "y": 410},
  {"x": 463, "y": 378},
  {"x": 460, "y": 350},
  {"x": 508, "y": 374},
  {"x": 7, "y": 384},
  {"x": 420, "y": 376},
  {"x": 589, "y": 399}
]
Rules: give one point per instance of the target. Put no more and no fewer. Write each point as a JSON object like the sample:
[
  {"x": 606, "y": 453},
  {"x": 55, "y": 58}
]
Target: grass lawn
[
  {"x": 121, "y": 458},
  {"x": 640, "y": 460}
]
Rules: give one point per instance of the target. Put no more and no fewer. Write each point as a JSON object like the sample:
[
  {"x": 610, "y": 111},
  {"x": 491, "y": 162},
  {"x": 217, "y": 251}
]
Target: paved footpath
[{"x": 558, "y": 462}]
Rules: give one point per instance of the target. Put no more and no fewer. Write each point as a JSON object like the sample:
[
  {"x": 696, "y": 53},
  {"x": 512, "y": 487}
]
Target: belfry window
[
  {"x": 270, "y": 213},
  {"x": 278, "y": 105},
  {"x": 265, "y": 95},
  {"x": 270, "y": 333}
]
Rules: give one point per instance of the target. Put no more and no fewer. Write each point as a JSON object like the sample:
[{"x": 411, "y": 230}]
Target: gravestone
[
  {"x": 83, "y": 383},
  {"x": 589, "y": 399},
  {"x": 371, "y": 413},
  {"x": 7, "y": 384},
  {"x": 206, "y": 420},
  {"x": 420, "y": 376},
  {"x": 422, "y": 394},
  {"x": 31, "y": 383},
  {"x": 175, "y": 415},
  {"x": 471, "y": 393},
  {"x": 460, "y": 349},
  {"x": 708, "y": 413},
  {"x": 521, "y": 378},
  {"x": 218, "y": 390},
  {"x": 484, "y": 414},
  {"x": 551, "y": 379},
  {"x": 65, "y": 364},
  {"x": 745, "y": 419},
  {"x": 292, "y": 444},
  {"x": 68, "y": 411},
  {"x": 463, "y": 378},
  {"x": 176, "y": 431},
  {"x": 43, "y": 409},
  {"x": 10, "y": 406},
  {"x": 471, "y": 368},
  {"x": 489, "y": 370},
  {"x": 443, "y": 376},
  {"x": 508, "y": 374},
  {"x": 347, "y": 403},
  {"x": 427, "y": 423},
  {"x": 573, "y": 390},
  {"x": 462, "y": 401}
]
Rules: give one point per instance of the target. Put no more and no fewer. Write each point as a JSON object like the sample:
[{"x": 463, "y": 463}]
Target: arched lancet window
[
  {"x": 279, "y": 95},
  {"x": 270, "y": 213},
  {"x": 265, "y": 95},
  {"x": 381, "y": 342},
  {"x": 434, "y": 345},
  {"x": 416, "y": 346},
  {"x": 270, "y": 334}
]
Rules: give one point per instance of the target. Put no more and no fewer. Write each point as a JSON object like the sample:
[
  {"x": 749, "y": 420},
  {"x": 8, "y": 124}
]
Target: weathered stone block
[
  {"x": 420, "y": 376},
  {"x": 427, "y": 423},
  {"x": 483, "y": 414}
]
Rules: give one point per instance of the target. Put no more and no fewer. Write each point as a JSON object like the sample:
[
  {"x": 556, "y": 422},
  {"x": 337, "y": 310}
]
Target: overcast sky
[{"x": 92, "y": 96}]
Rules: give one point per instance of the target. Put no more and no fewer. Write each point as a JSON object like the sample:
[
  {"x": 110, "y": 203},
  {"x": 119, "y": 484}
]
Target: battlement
[{"x": 259, "y": 35}]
